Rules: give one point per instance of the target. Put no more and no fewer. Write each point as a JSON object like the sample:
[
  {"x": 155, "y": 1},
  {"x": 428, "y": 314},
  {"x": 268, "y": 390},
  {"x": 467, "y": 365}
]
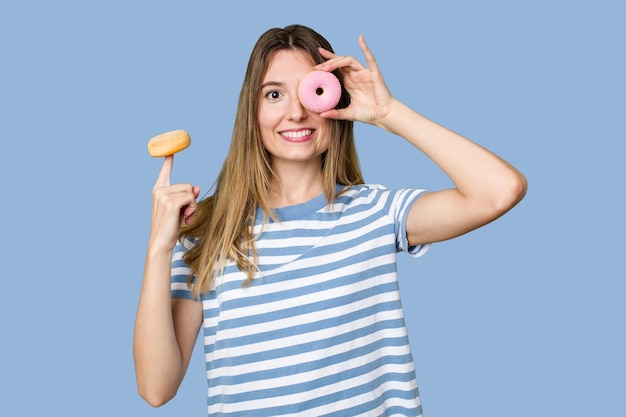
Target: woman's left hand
[{"x": 370, "y": 98}]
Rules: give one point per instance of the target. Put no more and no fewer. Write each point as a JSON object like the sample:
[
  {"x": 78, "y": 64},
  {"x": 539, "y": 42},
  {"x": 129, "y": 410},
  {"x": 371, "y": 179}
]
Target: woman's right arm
[{"x": 165, "y": 329}]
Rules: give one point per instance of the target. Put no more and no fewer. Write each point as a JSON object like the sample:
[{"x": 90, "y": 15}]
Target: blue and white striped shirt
[{"x": 320, "y": 331}]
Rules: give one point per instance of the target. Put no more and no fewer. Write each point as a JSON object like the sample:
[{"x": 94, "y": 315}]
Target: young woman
[{"x": 289, "y": 267}]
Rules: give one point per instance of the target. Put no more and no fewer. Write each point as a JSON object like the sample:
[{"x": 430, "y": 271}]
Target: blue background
[{"x": 522, "y": 317}]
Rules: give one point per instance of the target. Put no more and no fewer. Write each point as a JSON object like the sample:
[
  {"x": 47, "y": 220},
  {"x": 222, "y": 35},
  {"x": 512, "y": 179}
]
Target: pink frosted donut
[{"x": 319, "y": 91}]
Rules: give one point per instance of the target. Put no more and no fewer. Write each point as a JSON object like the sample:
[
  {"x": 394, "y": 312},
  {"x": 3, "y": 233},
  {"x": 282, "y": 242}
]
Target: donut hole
[{"x": 319, "y": 91}]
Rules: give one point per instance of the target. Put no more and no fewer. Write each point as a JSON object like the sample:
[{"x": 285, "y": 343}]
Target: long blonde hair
[{"x": 222, "y": 224}]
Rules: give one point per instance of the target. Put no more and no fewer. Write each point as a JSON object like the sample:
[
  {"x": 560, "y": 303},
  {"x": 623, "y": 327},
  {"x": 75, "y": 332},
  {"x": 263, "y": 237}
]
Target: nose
[{"x": 297, "y": 112}]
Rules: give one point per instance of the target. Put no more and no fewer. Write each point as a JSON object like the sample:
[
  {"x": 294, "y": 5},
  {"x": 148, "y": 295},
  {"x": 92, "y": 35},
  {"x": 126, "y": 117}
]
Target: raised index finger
[
  {"x": 369, "y": 56},
  {"x": 166, "y": 169}
]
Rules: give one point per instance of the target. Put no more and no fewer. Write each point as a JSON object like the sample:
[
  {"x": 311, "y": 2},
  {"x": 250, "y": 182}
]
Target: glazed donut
[
  {"x": 168, "y": 143},
  {"x": 319, "y": 91}
]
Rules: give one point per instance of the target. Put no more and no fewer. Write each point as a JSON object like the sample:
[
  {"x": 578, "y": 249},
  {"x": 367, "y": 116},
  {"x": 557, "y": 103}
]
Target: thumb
[
  {"x": 338, "y": 114},
  {"x": 189, "y": 210}
]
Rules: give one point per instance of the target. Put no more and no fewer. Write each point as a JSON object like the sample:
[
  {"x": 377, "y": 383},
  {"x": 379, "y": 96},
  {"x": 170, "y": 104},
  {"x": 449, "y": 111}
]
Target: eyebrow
[{"x": 272, "y": 84}]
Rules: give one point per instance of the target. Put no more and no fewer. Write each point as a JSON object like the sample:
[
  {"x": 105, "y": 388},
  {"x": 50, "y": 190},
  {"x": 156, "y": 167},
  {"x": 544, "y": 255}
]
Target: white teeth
[{"x": 298, "y": 134}]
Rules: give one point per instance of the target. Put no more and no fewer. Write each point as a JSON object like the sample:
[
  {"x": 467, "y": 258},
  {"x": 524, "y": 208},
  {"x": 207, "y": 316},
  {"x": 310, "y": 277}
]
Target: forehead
[{"x": 288, "y": 60}]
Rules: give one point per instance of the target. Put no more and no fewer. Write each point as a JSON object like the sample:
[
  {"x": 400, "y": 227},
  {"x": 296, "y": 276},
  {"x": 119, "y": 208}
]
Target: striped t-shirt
[{"x": 320, "y": 331}]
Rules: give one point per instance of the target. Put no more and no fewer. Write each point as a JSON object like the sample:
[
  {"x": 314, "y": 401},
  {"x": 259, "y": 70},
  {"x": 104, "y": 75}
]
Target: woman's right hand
[
  {"x": 165, "y": 329},
  {"x": 171, "y": 206}
]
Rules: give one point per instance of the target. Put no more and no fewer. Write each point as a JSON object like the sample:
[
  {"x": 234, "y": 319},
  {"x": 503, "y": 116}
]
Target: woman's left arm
[{"x": 486, "y": 186}]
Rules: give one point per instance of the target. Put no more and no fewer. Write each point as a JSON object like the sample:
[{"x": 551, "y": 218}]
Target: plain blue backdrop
[{"x": 522, "y": 317}]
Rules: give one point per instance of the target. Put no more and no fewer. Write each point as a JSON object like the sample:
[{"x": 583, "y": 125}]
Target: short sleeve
[
  {"x": 400, "y": 203},
  {"x": 180, "y": 271}
]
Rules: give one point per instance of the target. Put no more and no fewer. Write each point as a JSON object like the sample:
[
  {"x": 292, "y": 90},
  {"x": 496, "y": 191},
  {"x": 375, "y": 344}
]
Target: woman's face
[{"x": 290, "y": 133}]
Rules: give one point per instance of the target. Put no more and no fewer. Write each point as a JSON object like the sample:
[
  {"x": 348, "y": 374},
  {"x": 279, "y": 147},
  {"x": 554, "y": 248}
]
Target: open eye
[{"x": 273, "y": 95}]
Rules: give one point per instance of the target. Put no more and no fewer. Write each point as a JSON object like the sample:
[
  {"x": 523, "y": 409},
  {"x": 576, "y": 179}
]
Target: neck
[{"x": 295, "y": 183}]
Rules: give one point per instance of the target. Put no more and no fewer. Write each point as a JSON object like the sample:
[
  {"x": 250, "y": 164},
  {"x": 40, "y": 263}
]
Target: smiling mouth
[{"x": 297, "y": 135}]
